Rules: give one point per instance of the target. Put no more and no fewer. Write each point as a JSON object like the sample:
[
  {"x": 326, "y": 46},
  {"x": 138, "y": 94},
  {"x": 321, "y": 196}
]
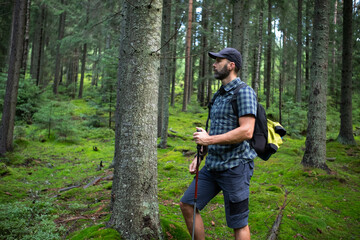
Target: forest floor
[{"x": 60, "y": 188}]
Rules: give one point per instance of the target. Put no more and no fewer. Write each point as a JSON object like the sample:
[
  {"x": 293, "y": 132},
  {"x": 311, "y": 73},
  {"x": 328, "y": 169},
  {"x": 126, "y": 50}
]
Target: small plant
[{"x": 28, "y": 221}]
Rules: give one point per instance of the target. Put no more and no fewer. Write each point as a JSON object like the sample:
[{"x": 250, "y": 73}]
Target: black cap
[{"x": 230, "y": 54}]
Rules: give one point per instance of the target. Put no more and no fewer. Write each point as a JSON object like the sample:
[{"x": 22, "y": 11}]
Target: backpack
[{"x": 267, "y": 134}]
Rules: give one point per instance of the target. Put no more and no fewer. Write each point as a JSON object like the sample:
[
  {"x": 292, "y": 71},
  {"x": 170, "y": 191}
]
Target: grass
[{"x": 318, "y": 206}]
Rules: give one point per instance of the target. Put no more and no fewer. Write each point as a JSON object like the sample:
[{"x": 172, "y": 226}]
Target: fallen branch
[
  {"x": 93, "y": 182},
  {"x": 275, "y": 228},
  {"x": 67, "y": 188}
]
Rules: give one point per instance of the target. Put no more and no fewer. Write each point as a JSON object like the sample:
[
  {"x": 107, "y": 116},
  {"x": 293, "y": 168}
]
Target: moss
[
  {"x": 172, "y": 230},
  {"x": 99, "y": 232}
]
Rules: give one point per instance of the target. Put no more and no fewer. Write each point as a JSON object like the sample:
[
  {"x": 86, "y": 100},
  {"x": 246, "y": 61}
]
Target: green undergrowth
[{"x": 45, "y": 191}]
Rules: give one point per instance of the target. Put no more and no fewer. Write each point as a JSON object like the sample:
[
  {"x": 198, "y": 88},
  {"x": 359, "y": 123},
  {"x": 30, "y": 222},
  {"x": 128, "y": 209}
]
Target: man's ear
[{"x": 232, "y": 66}]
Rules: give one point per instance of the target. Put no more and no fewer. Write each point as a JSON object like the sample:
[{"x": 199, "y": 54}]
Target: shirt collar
[{"x": 232, "y": 85}]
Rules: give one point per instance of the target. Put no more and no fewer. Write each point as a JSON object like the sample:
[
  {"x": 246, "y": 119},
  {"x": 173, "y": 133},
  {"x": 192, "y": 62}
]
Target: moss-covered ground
[{"x": 36, "y": 203}]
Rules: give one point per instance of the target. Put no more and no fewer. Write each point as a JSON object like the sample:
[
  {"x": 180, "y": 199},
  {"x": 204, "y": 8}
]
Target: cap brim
[{"x": 215, "y": 55}]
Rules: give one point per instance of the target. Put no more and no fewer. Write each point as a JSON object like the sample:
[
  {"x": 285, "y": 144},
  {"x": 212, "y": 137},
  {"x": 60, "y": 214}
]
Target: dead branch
[{"x": 275, "y": 228}]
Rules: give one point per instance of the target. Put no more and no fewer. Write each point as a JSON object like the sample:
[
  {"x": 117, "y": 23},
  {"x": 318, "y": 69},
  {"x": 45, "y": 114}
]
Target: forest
[{"x": 99, "y": 101}]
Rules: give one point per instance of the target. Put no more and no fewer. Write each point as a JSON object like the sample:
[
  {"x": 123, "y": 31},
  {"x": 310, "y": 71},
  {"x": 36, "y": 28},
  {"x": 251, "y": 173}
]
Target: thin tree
[
  {"x": 135, "y": 210},
  {"x": 164, "y": 89},
  {"x": 346, "y": 135},
  {"x": 268, "y": 57},
  {"x": 299, "y": 53},
  {"x": 187, "y": 58},
  {"x": 61, "y": 31},
  {"x": 84, "y": 53},
  {"x": 315, "y": 145},
  {"x": 12, "y": 83},
  {"x": 256, "y": 83}
]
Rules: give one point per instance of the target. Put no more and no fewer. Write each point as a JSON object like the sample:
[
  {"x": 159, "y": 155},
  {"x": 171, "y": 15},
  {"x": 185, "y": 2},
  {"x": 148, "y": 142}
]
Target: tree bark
[
  {"x": 346, "y": 135},
  {"x": 164, "y": 90},
  {"x": 259, "y": 47},
  {"x": 61, "y": 31},
  {"x": 299, "y": 54},
  {"x": 83, "y": 59},
  {"x": 26, "y": 40},
  {"x": 315, "y": 151},
  {"x": 12, "y": 84},
  {"x": 135, "y": 212},
  {"x": 187, "y": 58},
  {"x": 268, "y": 57}
]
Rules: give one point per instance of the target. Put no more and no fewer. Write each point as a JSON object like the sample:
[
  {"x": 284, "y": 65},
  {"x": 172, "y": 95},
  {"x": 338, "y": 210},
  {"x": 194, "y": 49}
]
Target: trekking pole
[{"x": 196, "y": 185}]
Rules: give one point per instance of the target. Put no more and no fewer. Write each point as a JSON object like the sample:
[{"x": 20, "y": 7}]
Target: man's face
[{"x": 221, "y": 70}]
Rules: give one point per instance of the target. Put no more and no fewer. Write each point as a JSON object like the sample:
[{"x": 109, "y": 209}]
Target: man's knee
[{"x": 185, "y": 206}]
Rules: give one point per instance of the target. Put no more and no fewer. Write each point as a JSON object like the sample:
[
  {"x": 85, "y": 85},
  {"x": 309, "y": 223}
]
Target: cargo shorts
[{"x": 234, "y": 183}]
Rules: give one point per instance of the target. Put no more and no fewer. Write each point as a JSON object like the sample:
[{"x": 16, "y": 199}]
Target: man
[{"x": 229, "y": 164}]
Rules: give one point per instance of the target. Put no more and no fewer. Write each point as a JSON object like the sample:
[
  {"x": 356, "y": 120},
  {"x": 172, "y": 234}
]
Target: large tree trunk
[
  {"x": 135, "y": 212},
  {"x": 315, "y": 152},
  {"x": 12, "y": 84},
  {"x": 61, "y": 31},
  {"x": 187, "y": 58},
  {"x": 164, "y": 90},
  {"x": 299, "y": 53},
  {"x": 346, "y": 135}
]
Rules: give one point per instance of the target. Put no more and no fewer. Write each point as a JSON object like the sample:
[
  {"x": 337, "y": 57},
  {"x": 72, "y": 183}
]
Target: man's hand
[
  {"x": 192, "y": 166},
  {"x": 201, "y": 137}
]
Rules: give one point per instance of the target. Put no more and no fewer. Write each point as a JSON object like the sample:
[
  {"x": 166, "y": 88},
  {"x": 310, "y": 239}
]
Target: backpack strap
[
  {"x": 209, "y": 107},
  {"x": 234, "y": 99}
]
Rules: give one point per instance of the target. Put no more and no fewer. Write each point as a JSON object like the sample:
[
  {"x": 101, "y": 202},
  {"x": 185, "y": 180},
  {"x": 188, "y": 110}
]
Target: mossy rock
[
  {"x": 170, "y": 231},
  {"x": 173, "y": 231},
  {"x": 96, "y": 232}
]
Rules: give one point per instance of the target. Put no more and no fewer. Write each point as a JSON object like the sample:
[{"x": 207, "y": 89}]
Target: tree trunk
[
  {"x": 259, "y": 47},
  {"x": 299, "y": 53},
  {"x": 307, "y": 45},
  {"x": 12, "y": 84},
  {"x": 315, "y": 152},
  {"x": 173, "y": 71},
  {"x": 135, "y": 212},
  {"x": 332, "y": 86},
  {"x": 83, "y": 59},
  {"x": 163, "y": 115},
  {"x": 346, "y": 135},
  {"x": 61, "y": 31},
  {"x": 268, "y": 57},
  {"x": 40, "y": 54},
  {"x": 26, "y": 40},
  {"x": 245, "y": 41},
  {"x": 187, "y": 58}
]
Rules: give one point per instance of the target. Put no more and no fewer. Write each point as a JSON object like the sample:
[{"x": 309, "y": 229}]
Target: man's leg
[
  {"x": 188, "y": 213},
  {"x": 242, "y": 233}
]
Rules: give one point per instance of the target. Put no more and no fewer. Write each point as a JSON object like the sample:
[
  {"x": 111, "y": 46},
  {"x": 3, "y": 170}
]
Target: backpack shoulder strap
[
  {"x": 234, "y": 98},
  {"x": 209, "y": 107}
]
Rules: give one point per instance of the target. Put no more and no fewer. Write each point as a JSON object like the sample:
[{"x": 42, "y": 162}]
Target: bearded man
[{"x": 229, "y": 164}]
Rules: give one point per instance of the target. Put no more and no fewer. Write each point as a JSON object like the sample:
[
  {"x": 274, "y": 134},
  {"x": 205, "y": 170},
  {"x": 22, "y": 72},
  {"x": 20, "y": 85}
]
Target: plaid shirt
[{"x": 223, "y": 119}]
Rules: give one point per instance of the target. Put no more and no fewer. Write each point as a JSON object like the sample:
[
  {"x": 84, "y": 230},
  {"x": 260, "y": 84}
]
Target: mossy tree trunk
[
  {"x": 315, "y": 152},
  {"x": 135, "y": 210},
  {"x": 12, "y": 83},
  {"x": 346, "y": 128}
]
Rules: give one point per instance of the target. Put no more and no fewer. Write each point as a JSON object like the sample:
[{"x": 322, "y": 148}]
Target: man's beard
[{"x": 222, "y": 74}]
